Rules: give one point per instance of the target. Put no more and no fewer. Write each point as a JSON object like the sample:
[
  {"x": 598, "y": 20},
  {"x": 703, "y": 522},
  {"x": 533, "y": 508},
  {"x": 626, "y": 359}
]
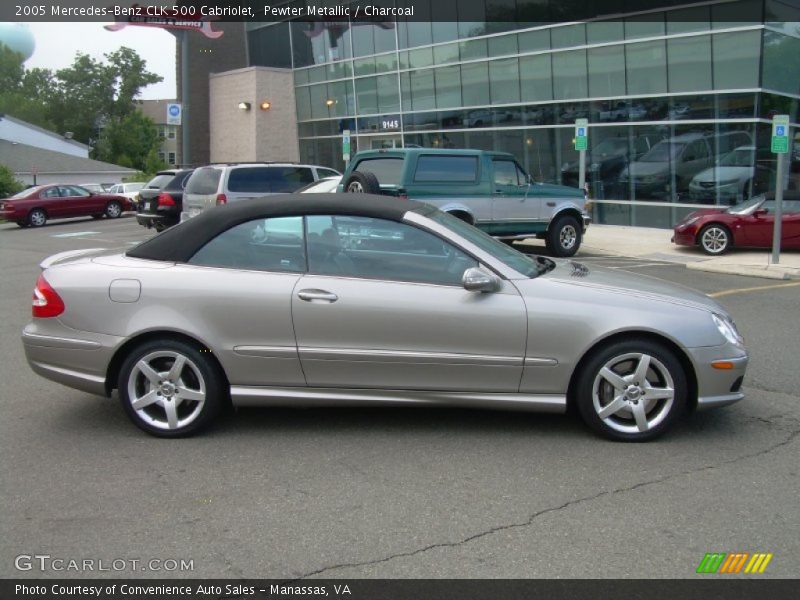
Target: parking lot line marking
[
  {"x": 76, "y": 234},
  {"x": 753, "y": 289}
]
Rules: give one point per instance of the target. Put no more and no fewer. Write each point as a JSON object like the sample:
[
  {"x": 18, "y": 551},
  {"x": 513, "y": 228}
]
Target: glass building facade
[{"x": 679, "y": 98}]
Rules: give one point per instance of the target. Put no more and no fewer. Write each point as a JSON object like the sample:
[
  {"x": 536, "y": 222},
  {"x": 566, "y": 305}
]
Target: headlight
[
  {"x": 728, "y": 329},
  {"x": 690, "y": 221}
]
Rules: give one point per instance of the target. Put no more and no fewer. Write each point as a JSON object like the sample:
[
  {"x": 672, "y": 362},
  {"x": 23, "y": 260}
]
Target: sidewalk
[{"x": 648, "y": 243}]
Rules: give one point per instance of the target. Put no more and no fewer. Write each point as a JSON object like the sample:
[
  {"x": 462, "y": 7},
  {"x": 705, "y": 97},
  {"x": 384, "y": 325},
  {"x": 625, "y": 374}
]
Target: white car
[
  {"x": 129, "y": 190},
  {"x": 731, "y": 179},
  {"x": 326, "y": 185}
]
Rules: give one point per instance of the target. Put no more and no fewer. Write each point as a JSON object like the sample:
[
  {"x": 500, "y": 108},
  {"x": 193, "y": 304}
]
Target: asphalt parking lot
[{"x": 398, "y": 492}]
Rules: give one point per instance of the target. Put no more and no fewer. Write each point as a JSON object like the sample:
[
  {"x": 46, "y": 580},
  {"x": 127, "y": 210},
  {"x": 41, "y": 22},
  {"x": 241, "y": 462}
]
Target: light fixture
[
  {"x": 244, "y": 106},
  {"x": 330, "y": 102},
  {"x": 529, "y": 141},
  {"x": 265, "y": 105}
]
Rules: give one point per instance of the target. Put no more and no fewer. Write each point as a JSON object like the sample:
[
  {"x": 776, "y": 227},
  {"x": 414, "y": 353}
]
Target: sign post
[
  {"x": 346, "y": 146},
  {"x": 581, "y": 144},
  {"x": 780, "y": 147}
]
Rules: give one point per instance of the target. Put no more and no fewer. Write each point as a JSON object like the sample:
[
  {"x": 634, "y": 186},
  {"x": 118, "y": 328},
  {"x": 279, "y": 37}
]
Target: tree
[
  {"x": 9, "y": 184},
  {"x": 129, "y": 141},
  {"x": 22, "y": 93}
]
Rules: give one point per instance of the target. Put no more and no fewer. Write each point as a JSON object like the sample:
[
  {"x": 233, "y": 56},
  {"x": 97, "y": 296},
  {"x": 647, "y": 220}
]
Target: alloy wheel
[
  {"x": 633, "y": 393},
  {"x": 166, "y": 390},
  {"x": 37, "y": 218},
  {"x": 714, "y": 240},
  {"x": 355, "y": 187},
  {"x": 113, "y": 210},
  {"x": 567, "y": 237}
]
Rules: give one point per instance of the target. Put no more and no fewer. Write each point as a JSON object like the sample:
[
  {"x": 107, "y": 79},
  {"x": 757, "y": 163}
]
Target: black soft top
[{"x": 180, "y": 243}]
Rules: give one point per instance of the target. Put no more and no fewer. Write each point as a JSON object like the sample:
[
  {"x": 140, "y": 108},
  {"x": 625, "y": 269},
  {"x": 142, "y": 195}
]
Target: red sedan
[
  {"x": 35, "y": 206},
  {"x": 746, "y": 225}
]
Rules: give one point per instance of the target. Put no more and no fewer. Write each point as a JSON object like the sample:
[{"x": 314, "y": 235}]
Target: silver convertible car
[{"x": 321, "y": 299}]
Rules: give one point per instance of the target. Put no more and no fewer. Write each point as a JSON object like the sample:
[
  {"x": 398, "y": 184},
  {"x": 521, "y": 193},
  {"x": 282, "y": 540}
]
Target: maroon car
[
  {"x": 746, "y": 225},
  {"x": 34, "y": 206}
]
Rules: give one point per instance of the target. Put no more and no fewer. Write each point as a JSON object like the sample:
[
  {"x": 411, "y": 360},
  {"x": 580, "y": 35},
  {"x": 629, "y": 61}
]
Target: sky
[{"x": 57, "y": 44}]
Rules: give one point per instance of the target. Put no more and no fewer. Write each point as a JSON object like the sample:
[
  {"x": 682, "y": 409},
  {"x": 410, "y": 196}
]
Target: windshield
[
  {"x": 746, "y": 206},
  {"x": 662, "y": 152},
  {"x": 606, "y": 147},
  {"x": 26, "y": 191},
  {"x": 522, "y": 263},
  {"x": 738, "y": 158}
]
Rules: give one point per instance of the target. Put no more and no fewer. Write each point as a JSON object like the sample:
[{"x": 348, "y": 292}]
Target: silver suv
[{"x": 219, "y": 184}]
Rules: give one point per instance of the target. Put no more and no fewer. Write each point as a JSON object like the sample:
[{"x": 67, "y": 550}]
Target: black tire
[
  {"x": 159, "y": 227},
  {"x": 113, "y": 210},
  {"x": 715, "y": 239},
  {"x": 22, "y": 224},
  {"x": 200, "y": 374},
  {"x": 462, "y": 216},
  {"x": 362, "y": 182},
  {"x": 37, "y": 218},
  {"x": 621, "y": 425},
  {"x": 564, "y": 236}
]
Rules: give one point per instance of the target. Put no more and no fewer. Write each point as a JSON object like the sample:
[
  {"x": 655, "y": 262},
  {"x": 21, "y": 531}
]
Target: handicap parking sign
[
  {"x": 582, "y": 131},
  {"x": 780, "y": 130}
]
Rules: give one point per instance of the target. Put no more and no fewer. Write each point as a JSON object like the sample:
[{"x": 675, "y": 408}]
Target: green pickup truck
[{"x": 487, "y": 189}]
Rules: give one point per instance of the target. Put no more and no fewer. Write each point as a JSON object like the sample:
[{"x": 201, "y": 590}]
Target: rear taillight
[
  {"x": 221, "y": 199},
  {"x": 165, "y": 200},
  {"x": 46, "y": 302}
]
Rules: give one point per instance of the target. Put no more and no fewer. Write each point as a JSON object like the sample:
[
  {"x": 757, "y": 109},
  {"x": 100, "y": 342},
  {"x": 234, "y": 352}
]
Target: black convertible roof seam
[{"x": 180, "y": 243}]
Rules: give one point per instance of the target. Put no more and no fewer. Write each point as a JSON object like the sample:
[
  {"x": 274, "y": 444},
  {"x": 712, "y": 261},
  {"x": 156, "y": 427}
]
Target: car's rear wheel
[
  {"x": 362, "y": 182},
  {"x": 113, "y": 209},
  {"x": 632, "y": 390},
  {"x": 37, "y": 217},
  {"x": 715, "y": 239},
  {"x": 564, "y": 236},
  {"x": 168, "y": 388},
  {"x": 22, "y": 224}
]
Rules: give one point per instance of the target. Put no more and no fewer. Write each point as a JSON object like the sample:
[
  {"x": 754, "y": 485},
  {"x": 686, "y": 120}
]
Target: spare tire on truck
[{"x": 362, "y": 182}]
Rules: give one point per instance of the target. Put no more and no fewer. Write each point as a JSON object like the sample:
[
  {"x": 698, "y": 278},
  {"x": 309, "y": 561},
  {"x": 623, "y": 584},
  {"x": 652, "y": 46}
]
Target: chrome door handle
[{"x": 317, "y": 296}]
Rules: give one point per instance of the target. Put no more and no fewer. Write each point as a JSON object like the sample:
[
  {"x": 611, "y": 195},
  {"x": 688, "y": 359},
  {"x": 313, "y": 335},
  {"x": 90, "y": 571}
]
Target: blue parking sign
[
  {"x": 780, "y": 130},
  {"x": 582, "y": 131}
]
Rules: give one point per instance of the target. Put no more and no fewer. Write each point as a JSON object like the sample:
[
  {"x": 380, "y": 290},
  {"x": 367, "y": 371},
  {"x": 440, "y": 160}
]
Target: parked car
[
  {"x": 220, "y": 184},
  {"x": 746, "y": 225},
  {"x": 359, "y": 299},
  {"x": 734, "y": 178},
  {"x": 326, "y": 185},
  {"x": 95, "y": 188},
  {"x": 161, "y": 200},
  {"x": 683, "y": 156},
  {"x": 129, "y": 190},
  {"x": 487, "y": 189},
  {"x": 34, "y": 206},
  {"x": 607, "y": 159}
]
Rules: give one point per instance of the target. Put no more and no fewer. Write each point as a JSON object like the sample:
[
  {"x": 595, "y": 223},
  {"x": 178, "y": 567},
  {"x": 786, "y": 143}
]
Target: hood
[
  {"x": 723, "y": 174},
  {"x": 703, "y": 212},
  {"x": 647, "y": 288},
  {"x": 643, "y": 169}
]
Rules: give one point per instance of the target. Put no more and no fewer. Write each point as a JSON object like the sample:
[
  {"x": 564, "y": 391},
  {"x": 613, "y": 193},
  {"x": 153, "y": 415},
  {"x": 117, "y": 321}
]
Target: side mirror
[
  {"x": 760, "y": 212},
  {"x": 478, "y": 280}
]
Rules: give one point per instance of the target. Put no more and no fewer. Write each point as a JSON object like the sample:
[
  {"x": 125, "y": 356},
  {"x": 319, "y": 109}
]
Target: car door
[
  {"x": 694, "y": 158},
  {"x": 757, "y": 228},
  {"x": 77, "y": 201},
  {"x": 237, "y": 289},
  {"x": 382, "y": 306},
  {"x": 511, "y": 204},
  {"x": 53, "y": 203}
]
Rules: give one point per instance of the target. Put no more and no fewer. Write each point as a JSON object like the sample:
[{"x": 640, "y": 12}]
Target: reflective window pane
[
  {"x": 422, "y": 90},
  {"x": 689, "y": 61},
  {"x": 568, "y": 36},
  {"x": 366, "y": 95},
  {"x": 569, "y": 74},
  {"x": 504, "y": 80},
  {"x": 605, "y": 31},
  {"x": 646, "y": 67},
  {"x": 536, "y": 78},
  {"x": 388, "y": 93},
  {"x": 736, "y": 59},
  {"x": 607, "y": 71},
  {"x": 448, "y": 86},
  {"x": 473, "y": 84},
  {"x": 531, "y": 41}
]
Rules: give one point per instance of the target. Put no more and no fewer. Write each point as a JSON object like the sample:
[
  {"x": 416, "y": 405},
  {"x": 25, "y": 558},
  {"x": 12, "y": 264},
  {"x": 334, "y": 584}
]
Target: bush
[{"x": 9, "y": 185}]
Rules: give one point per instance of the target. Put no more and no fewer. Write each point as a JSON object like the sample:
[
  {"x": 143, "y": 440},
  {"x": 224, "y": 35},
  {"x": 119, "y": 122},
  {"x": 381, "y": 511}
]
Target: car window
[
  {"x": 134, "y": 187},
  {"x": 50, "y": 193},
  {"x": 321, "y": 173},
  {"x": 251, "y": 179},
  {"x": 72, "y": 190},
  {"x": 159, "y": 181},
  {"x": 114, "y": 189},
  {"x": 388, "y": 170},
  {"x": 261, "y": 245},
  {"x": 505, "y": 172},
  {"x": 379, "y": 249},
  {"x": 447, "y": 169},
  {"x": 290, "y": 179},
  {"x": 204, "y": 181}
]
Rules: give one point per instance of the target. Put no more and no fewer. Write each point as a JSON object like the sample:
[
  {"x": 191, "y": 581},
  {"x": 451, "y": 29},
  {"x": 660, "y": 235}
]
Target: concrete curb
[{"x": 765, "y": 272}]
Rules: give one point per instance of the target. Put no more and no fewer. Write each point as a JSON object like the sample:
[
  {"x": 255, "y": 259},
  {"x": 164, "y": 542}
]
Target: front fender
[{"x": 457, "y": 207}]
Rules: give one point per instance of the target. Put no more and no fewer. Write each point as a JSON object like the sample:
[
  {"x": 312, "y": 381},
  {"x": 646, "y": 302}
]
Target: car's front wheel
[
  {"x": 564, "y": 236},
  {"x": 632, "y": 390},
  {"x": 113, "y": 209},
  {"x": 168, "y": 388},
  {"x": 715, "y": 239}
]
